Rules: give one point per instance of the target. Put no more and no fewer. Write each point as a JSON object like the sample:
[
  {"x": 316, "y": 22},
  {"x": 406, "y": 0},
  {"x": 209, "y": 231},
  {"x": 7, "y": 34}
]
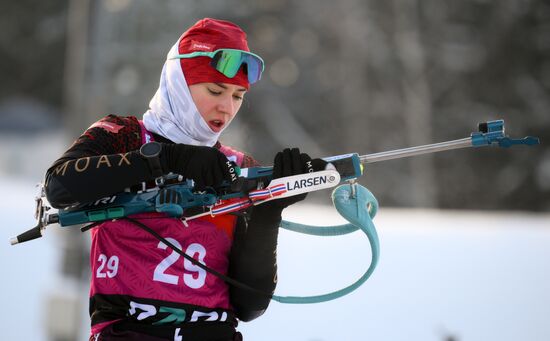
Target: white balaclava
[{"x": 172, "y": 112}]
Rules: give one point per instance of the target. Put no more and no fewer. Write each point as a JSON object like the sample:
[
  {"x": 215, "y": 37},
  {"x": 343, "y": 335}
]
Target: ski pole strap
[{"x": 358, "y": 206}]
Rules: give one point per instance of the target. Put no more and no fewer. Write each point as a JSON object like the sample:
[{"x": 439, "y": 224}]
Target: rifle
[{"x": 175, "y": 196}]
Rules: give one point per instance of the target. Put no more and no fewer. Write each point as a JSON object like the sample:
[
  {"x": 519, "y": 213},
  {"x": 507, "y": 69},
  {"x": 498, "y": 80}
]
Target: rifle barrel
[{"x": 419, "y": 150}]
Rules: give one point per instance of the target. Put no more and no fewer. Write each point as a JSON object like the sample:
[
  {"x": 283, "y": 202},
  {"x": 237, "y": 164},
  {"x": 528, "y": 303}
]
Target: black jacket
[{"x": 76, "y": 178}]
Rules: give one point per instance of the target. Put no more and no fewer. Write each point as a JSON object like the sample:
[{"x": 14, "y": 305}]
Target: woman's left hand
[{"x": 292, "y": 162}]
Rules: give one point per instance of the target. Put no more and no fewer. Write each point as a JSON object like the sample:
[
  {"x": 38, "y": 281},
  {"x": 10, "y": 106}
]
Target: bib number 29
[
  {"x": 193, "y": 276},
  {"x": 108, "y": 267}
]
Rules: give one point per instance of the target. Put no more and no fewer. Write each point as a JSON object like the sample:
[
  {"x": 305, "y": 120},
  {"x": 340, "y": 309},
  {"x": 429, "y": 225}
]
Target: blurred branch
[
  {"x": 417, "y": 98},
  {"x": 75, "y": 64}
]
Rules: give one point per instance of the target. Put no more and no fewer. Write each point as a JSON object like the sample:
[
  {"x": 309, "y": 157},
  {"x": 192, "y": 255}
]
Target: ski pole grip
[{"x": 35, "y": 232}]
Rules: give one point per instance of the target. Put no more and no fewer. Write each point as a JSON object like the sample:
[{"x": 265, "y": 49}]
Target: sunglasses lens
[
  {"x": 228, "y": 62},
  {"x": 254, "y": 68}
]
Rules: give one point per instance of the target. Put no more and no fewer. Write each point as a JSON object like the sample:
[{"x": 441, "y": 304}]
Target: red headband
[{"x": 209, "y": 35}]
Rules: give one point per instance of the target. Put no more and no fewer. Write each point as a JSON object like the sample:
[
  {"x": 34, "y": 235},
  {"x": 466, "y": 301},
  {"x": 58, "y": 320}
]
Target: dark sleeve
[
  {"x": 253, "y": 259},
  {"x": 101, "y": 162}
]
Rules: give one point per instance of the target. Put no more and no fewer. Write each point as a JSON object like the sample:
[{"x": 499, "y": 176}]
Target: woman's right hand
[{"x": 206, "y": 166}]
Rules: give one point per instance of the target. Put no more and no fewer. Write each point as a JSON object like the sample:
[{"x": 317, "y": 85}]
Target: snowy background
[{"x": 464, "y": 235}]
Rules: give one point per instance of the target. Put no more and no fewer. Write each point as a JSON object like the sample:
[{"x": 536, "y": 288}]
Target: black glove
[
  {"x": 206, "y": 166},
  {"x": 292, "y": 162}
]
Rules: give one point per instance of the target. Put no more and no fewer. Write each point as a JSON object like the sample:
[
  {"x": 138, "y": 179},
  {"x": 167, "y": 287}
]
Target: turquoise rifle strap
[{"x": 358, "y": 206}]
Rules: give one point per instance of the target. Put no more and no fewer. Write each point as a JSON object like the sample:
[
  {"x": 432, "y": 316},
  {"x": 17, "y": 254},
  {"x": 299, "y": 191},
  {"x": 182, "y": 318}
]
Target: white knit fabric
[{"x": 172, "y": 112}]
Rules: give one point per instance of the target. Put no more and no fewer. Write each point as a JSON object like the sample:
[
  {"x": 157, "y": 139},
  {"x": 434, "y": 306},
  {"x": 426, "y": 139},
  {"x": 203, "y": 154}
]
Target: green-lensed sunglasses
[{"x": 228, "y": 62}]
